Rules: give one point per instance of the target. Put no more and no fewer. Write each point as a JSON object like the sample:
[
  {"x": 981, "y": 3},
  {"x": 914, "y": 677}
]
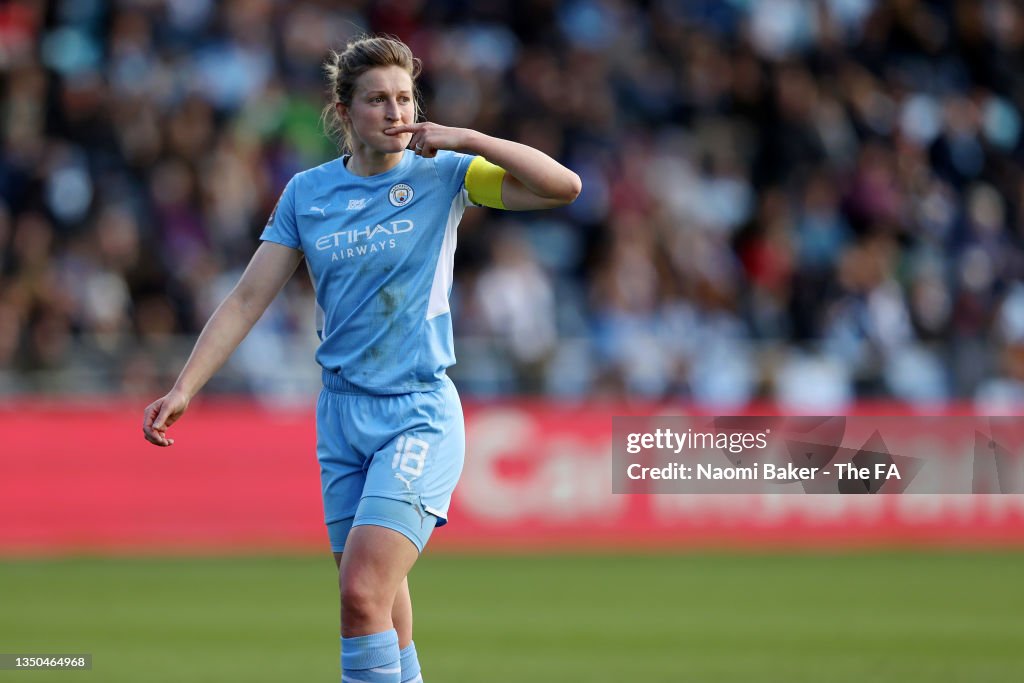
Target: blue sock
[
  {"x": 410, "y": 665},
  {"x": 371, "y": 659}
]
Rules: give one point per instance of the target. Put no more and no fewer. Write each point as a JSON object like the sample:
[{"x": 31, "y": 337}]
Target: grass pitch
[{"x": 857, "y": 618}]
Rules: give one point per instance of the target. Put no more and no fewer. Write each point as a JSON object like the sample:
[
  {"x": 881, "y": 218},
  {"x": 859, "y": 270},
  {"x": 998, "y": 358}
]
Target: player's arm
[
  {"x": 268, "y": 271},
  {"x": 531, "y": 179}
]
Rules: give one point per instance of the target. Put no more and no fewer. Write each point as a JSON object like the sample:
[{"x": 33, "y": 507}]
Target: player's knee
[{"x": 362, "y": 597}]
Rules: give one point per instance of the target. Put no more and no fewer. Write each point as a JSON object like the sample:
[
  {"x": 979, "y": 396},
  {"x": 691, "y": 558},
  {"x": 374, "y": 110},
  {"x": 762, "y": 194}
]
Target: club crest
[{"x": 400, "y": 194}]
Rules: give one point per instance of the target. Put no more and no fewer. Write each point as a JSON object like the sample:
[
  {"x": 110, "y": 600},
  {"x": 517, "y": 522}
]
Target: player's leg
[
  {"x": 401, "y": 614},
  {"x": 401, "y": 610},
  {"x": 401, "y": 617},
  {"x": 374, "y": 565},
  {"x": 386, "y": 538},
  {"x": 373, "y": 568}
]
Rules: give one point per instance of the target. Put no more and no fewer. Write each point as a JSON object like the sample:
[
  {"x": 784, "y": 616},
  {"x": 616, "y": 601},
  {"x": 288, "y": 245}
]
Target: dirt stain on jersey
[{"x": 389, "y": 299}]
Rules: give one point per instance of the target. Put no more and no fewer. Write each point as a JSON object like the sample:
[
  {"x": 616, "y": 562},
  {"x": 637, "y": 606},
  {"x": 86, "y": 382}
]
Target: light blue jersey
[{"x": 380, "y": 250}]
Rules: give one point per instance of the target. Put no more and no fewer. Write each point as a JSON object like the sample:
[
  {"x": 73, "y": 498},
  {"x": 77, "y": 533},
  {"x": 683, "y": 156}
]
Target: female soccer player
[{"x": 377, "y": 228}]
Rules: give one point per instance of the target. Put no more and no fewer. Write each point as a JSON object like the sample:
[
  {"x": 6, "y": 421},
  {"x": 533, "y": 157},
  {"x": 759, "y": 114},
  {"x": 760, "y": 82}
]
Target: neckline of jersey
[{"x": 406, "y": 155}]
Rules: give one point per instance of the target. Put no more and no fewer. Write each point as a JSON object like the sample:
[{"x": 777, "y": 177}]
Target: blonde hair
[{"x": 344, "y": 68}]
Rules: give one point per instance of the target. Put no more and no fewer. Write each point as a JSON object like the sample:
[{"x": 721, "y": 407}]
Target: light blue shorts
[{"x": 388, "y": 460}]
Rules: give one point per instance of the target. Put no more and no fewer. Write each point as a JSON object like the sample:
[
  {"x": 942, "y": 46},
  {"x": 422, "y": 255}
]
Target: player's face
[{"x": 383, "y": 97}]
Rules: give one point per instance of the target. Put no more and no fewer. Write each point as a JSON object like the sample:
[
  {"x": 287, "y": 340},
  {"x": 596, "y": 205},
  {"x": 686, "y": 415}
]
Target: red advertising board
[{"x": 78, "y": 477}]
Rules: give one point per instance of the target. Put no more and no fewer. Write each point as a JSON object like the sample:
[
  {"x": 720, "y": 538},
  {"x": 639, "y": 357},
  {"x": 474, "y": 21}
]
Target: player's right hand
[{"x": 161, "y": 414}]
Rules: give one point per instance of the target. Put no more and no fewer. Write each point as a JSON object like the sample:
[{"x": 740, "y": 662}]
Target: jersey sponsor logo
[
  {"x": 355, "y": 204},
  {"x": 323, "y": 211},
  {"x": 369, "y": 233},
  {"x": 400, "y": 194}
]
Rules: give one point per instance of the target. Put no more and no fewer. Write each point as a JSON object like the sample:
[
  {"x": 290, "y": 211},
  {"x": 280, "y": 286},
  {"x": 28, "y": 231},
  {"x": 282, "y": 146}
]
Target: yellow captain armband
[{"x": 483, "y": 182}]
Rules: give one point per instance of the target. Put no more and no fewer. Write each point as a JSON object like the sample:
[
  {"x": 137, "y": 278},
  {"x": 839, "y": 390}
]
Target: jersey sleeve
[
  {"x": 452, "y": 167},
  {"x": 281, "y": 227}
]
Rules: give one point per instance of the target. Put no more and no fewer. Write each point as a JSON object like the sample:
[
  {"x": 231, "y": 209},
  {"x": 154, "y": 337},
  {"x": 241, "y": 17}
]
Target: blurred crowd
[{"x": 801, "y": 201}]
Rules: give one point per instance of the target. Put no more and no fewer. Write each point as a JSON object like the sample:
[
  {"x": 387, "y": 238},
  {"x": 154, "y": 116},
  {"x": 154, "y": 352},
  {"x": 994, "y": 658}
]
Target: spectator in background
[{"x": 516, "y": 300}]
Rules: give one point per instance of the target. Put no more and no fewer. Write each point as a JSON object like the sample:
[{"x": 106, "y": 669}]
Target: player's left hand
[{"x": 428, "y": 138}]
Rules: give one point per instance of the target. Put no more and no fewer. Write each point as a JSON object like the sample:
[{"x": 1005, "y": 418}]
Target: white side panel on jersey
[
  {"x": 318, "y": 314},
  {"x": 446, "y": 260}
]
